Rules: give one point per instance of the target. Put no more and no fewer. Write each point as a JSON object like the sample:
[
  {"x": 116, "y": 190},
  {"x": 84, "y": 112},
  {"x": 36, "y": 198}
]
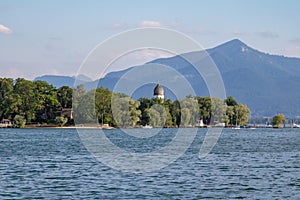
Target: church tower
[{"x": 158, "y": 92}]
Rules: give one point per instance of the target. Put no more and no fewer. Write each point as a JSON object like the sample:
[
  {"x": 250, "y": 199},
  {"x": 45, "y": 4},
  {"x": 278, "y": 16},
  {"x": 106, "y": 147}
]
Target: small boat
[
  {"x": 236, "y": 127},
  {"x": 296, "y": 125},
  {"x": 147, "y": 126}
]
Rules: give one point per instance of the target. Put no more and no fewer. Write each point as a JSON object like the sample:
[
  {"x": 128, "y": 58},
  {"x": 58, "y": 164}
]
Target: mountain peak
[
  {"x": 235, "y": 43},
  {"x": 232, "y": 47}
]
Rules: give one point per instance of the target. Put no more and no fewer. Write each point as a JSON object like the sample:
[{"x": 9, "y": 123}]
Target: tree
[
  {"x": 230, "y": 101},
  {"x": 135, "y": 113},
  {"x": 169, "y": 119},
  {"x": 46, "y": 95},
  {"x": 144, "y": 107},
  {"x": 64, "y": 96},
  {"x": 278, "y": 120},
  {"x": 27, "y": 96},
  {"x": 175, "y": 113},
  {"x": 84, "y": 105},
  {"x": 125, "y": 110},
  {"x": 241, "y": 114},
  {"x": 189, "y": 111},
  {"x": 19, "y": 121},
  {"x": 185, "y": 117},
  {"x": 157, "y": 115},
  {"x": 218, "y": 110},
  {"x": 204, "y": 104},
  {"x": 230, "y": 115},
  {"x": 103, "y": 98},
  {"x": 6, "y": 92}
]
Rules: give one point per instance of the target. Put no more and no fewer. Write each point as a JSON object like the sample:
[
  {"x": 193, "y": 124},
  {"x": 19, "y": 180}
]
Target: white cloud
[
  {"x": 5, "y": 30},
  {"x": 147, "y": 23}
]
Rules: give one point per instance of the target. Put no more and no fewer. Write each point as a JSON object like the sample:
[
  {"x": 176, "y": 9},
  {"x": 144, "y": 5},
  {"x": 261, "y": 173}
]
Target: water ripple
[{"x": 53, "y": 164}]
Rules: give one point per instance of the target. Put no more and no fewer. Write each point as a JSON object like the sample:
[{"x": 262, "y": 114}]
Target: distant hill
[
  {"x": 268, "y": 84},
  {"x": 59, "y": 81}
]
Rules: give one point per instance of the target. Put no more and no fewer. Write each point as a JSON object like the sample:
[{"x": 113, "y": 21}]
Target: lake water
[{"x": 53, "y": 164}]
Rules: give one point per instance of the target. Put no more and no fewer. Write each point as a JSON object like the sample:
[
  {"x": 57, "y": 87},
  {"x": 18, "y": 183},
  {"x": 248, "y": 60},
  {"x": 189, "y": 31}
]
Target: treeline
[
  {"x": 120, "y": 110},
  {"x": 38, "y": 102},
  {"x": 26, "y": 102}
]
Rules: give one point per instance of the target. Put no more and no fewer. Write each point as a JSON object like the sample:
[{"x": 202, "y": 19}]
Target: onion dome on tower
[{"x": 158, "y": 92}]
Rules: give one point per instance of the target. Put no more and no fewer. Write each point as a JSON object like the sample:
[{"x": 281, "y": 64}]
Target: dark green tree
[
  {"x": 103, "y": 98},
  {"x": 230, "y": 101},
  {"x": 230, "y": 115},
  {"x": 205, "y": 106},
  {"x": 64, "y": 96},
  {"x": 28, "y": 101},
  {"x": 175, "y": 113},
  {"x": 47, "y": 99},
  {"x": 144, "y": 107},
  {"x": 6, "y": 97},
  {"x": 169, "y": 119}
]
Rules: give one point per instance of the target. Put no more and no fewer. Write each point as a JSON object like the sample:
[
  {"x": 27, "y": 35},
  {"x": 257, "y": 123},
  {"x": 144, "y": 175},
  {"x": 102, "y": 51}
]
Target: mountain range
[{"x": 268, "y": 84}]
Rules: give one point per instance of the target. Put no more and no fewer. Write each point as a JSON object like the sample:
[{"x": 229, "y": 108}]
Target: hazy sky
[{"x": 54, "y": 36}]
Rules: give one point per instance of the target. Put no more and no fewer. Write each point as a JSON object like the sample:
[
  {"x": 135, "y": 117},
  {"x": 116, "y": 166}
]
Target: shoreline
[{"x": 109, "y": 127}]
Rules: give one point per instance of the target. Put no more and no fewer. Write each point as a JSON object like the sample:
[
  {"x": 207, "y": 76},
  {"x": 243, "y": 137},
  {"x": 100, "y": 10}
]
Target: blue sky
[{"x": 54, "y": 37}]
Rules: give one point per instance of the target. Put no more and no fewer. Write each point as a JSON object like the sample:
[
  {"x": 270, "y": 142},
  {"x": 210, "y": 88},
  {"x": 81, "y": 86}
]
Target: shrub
[
  {"x": 19, "y": 121},
  {"x": 61, "y": 121}
]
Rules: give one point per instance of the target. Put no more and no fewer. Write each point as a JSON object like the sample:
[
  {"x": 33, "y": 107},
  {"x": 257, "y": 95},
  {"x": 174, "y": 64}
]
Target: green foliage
[
  {"x": 278, "y": 120},
  {"x": 27, "y": 98},
  {"x": 168, "y": 108},
  {"x": 61, "y": 121},
  {"x": 230, "y": 101},
  {"x": 125, "y": 110},
  {"x": 84, "y": 107},
  {"x": 103, "y": 99},
  {"x": 37, "y": 102},
  {"x": 241, "y": 112},
  {"x": 218, "y": 111},
  {"x": 19, "y": 121},
  {"x": 144, "y": 107},
  {"x": 189, "y": 111},
  {"x": 40, "y": 102},
  {"x": 64, "y": 96},
  {"x": 157, "y": 115},
  {"x": 237, "y": 115},
  {"x": 230, "y": 115},
  {"x": 6, "y": 97},
  {"x": 46, "y": 95},
  {"x": 204, "y": 104}
]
